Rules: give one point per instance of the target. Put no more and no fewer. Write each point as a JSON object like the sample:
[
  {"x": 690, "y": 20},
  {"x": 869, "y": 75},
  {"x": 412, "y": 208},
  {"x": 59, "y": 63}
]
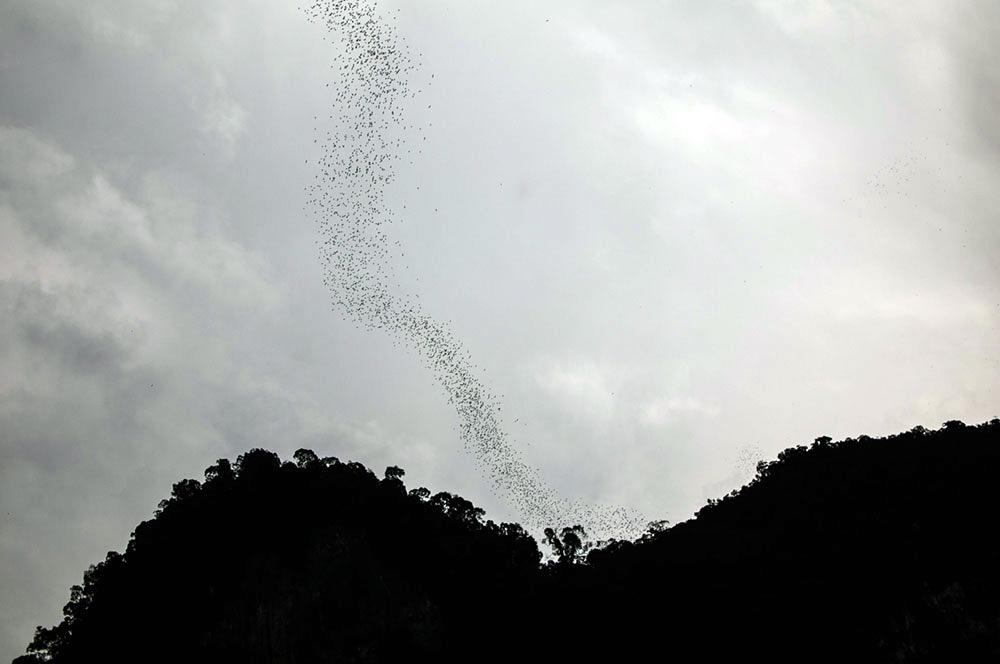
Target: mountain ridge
[{"x": 873, "y": 549}]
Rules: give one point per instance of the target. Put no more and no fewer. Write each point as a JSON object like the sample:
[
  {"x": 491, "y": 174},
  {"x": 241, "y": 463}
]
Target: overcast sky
[{"x": 676, "y": 236}]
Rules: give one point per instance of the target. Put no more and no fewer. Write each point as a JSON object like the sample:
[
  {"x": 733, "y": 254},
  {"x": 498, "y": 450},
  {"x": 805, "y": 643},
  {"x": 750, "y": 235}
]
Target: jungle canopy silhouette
[{"x": 866, "y": 549}]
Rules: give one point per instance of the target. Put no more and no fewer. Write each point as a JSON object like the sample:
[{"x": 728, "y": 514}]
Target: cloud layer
[{"x": 674, "y": 238}]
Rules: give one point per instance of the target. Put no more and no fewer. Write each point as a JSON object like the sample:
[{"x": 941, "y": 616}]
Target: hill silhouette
[{"x": 867, "y": 549}]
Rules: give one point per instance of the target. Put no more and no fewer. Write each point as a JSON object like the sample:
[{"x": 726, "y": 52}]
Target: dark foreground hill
[{"x": 869, "y": 549}]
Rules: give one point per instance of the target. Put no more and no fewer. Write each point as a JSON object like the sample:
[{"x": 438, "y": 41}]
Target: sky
[{"x": 674, "y": 238}]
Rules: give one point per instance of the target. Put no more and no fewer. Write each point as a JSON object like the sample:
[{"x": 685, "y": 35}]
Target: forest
[{"x": 865, "y": 549}]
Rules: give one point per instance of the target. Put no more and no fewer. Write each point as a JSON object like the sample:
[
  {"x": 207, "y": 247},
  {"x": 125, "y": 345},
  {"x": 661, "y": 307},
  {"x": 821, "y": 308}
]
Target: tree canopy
[{"x": 866, "y": 548}]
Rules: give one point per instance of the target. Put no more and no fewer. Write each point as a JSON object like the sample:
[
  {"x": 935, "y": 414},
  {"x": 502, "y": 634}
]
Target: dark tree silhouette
[
  {"x": 305, "y": 458},
  {"x": 569, "y": 546},
  {"x": 866, "y": 549}
]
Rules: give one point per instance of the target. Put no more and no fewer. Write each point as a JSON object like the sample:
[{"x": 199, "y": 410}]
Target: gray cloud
[{"x": 665, "y": 233}]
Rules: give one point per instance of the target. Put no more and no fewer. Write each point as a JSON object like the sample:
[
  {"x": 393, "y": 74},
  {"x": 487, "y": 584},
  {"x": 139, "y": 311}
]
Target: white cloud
[
  {"x": 868, "y": 295},
  {"x": 581, "y": 387},
  {"x": 84, "y": 228},
  {"x": 222, "y": 117},
  {"x": 664, "y": 410},
  {"x": 798, "y": 15},
  {"x": 111, "y": 30},
  {"x": 27, "y": 159},
  {"x": 131, "y": 23}
]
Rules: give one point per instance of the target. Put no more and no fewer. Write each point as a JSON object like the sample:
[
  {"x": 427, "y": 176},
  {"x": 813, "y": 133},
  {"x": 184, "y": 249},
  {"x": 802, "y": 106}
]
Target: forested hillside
[{"x": 867, "y": 549}]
